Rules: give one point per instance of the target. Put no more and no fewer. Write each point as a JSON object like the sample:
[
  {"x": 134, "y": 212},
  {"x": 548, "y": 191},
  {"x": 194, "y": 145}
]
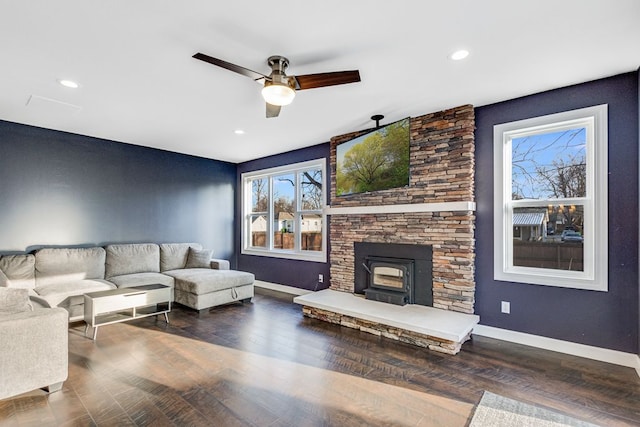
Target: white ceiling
[{"x": 140, "y": 85}]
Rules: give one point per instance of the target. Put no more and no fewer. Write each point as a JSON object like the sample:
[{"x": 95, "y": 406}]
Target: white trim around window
[
  {"x": 297, "y": 224},
  {"x": 592, "y": 203}
]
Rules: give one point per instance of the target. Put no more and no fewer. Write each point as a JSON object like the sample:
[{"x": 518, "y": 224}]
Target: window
[
  {"x": 550, "y": 213},
  {"x": 282, "y": 211}
]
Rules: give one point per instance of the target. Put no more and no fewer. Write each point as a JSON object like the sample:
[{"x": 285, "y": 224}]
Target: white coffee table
[{"x": 122, "y": 304}]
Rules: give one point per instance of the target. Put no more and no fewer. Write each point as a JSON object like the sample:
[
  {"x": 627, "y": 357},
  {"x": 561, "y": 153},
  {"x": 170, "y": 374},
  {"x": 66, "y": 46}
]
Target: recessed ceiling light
[
  {"x": 459, "y": 54},
  {"x": 69, "y": 83},
  {"x": 238, "y": 132}
]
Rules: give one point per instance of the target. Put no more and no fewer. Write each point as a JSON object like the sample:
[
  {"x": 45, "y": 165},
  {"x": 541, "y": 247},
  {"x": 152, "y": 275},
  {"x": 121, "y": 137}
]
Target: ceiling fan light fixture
[
  {"x": 277, "y": 93},
  {"x": 459, "y": 54},
  {"x": 68, "y": 83}
]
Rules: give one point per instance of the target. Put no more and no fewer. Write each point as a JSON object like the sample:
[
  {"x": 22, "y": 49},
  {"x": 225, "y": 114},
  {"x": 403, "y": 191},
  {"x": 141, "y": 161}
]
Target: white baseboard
[
  {"x": 280, "y": 288},
  {"x": 596, "y": 353}
]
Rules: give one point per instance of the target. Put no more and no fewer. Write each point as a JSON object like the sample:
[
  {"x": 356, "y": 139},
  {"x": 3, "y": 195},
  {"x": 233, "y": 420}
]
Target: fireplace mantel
[{"x": 402, "y": 208}]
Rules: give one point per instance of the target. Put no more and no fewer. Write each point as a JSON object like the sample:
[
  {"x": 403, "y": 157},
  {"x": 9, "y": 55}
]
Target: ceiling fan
[{"x": 280, "y": 89}]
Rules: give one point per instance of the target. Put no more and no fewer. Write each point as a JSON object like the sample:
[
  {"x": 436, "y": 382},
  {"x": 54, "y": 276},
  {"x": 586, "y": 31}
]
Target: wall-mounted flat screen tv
[{"x": 378, "y": 160}]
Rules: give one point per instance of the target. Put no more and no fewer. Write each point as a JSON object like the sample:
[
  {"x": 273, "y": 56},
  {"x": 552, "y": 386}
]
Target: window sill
[
  {"x": 562, "y": 279},
  {"x": 317, "y": 257}
]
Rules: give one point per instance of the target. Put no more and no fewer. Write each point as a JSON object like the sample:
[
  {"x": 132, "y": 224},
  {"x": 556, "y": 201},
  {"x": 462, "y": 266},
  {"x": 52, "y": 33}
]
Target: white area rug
[{"x": 498, "y": 411}]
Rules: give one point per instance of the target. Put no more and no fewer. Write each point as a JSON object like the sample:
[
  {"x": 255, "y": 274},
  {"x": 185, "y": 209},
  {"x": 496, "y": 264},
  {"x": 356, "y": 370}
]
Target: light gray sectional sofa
[
  {"x": 34, "y": 350},
  {"x": 59, "y": 277}
]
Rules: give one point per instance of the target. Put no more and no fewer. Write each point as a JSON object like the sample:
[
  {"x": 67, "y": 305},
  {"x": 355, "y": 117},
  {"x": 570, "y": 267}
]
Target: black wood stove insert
[{"x": 394, "y": 273}]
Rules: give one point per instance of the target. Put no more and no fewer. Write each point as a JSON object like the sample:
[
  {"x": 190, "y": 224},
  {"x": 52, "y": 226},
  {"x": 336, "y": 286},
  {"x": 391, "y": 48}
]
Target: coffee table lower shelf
[{"x": 123, "y": 304}]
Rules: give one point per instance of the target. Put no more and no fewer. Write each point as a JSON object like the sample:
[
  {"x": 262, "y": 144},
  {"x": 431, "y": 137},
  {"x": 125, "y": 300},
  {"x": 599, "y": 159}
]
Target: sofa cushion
[
  {"x": 4, "y": 280},
  {"x": 18, "y": 271},
  {"x": 199, "y": 258},
  {"x": 202, "y": 281},
  {"x": 138, "y": 279},
  {"x": 212, "y": 299},
  {"x": 63, "y": 265},
  {"x": 58, "y": 294},
  {"x": 132, "y": 258},
  {"x": 174, "y": 255},
  {"x": 14, "y": 300}
]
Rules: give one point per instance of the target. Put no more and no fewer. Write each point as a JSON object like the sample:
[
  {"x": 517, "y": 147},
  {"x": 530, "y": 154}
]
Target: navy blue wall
[
  {"x": 63, "y": 189},
  {"x": 300, "y": 274},
  {"x": 602, "y": 319}
]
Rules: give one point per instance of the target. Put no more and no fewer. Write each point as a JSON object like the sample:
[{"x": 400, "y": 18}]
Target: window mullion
[
  {"x": 270, "y": 210},
  {"x": 296, "y": 213}
]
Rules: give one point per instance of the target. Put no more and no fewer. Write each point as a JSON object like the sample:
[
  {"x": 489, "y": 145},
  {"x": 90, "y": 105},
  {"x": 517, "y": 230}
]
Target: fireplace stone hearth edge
[{"x": 436, "y": 329}]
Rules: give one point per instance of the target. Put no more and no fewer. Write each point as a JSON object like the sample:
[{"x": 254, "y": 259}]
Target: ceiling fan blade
[
  {"x": 273, "y": 110},
  {"x": 310, "y": 81},
  {"x": 229, "y": 66}
]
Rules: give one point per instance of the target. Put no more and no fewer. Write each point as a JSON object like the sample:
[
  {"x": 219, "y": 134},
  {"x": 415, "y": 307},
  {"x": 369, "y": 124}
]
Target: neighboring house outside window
[
  {"x": 282, "y": 211},
  {"x": 551, "y": 200},
  {"x": 530, "y": 226}
]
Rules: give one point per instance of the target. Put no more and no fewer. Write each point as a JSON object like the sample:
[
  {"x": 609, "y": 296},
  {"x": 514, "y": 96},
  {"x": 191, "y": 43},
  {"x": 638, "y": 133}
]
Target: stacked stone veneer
[
  {"x": 379, "y": 329},
  {"x": 442, "y": 170}
]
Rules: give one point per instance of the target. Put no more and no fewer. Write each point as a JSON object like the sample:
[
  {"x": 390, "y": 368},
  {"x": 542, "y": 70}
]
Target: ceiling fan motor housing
[
  {"x": 278, "y": 63},
  {"x": 278, "y": 76}
]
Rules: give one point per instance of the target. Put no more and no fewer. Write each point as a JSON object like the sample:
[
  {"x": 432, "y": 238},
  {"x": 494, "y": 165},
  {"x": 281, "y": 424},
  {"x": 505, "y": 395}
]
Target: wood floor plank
[
  {"x": 33, "y": 409},
  {"x": 264, "y": 364},
  {"x": 85, "y": 421},
  {"x": 7, "y": 414},
  {"x": 215, "y": 412},
  {"x": 140, "y": 409}
]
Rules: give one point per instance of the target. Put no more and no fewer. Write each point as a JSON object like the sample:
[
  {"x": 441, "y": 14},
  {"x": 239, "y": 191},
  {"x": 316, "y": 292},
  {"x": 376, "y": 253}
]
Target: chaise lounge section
[{"x": 202, "y": 289}]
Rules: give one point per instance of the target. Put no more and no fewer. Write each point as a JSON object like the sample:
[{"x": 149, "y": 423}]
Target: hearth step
[{"x": 445, "y": 325}]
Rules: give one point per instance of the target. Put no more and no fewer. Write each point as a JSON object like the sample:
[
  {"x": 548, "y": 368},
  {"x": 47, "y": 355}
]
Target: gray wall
[
  {"x": 602, "y": 319},
  {"x": 61, "y": 189}
]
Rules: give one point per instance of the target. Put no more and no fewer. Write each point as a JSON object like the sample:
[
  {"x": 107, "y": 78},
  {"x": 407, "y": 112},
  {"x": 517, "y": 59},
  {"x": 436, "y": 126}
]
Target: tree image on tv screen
[{"x": 375, "y": 161}]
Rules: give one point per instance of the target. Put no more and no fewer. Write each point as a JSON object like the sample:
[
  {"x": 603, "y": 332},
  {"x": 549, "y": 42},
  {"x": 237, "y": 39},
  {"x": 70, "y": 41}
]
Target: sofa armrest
[
  {"x": 4, "y": 280},
  {"x": 38, "y": 302},
  {"x": 219, "y": 264},
  {"x": 34, "y": 351}
]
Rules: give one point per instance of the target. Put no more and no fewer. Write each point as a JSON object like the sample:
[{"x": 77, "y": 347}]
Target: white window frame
[
  {"x": 595, "y": 274},
  {"x": 270, "y": 251}
]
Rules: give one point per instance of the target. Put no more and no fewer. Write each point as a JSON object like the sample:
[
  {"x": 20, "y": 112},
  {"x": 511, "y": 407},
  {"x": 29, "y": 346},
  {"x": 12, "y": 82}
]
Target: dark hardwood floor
[{"x": 264, "y": 364}]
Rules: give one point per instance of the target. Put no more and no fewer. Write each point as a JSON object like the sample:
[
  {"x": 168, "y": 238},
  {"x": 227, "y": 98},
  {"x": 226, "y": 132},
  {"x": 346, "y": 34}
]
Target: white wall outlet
[
  {"x": 506, "y": 307},
  {"x": 320, "y": 278}
]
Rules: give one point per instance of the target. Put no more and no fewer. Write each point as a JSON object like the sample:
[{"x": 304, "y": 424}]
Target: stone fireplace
[{"x": 436, "y": 209}]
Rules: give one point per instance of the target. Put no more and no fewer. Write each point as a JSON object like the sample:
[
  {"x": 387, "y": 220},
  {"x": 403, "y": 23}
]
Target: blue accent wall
[
  {"x": 64, "y": 189},
  {"x": 296, "y": 273},
  {"x": 602, "y": 319}
]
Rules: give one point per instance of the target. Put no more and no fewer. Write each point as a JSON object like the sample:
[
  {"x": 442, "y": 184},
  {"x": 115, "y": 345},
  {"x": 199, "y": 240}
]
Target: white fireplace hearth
[{"x": 436, "y": 329}]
